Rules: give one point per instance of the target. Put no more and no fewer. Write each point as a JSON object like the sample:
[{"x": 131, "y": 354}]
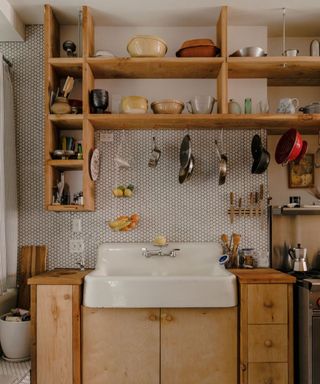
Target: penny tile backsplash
[{"x": 194, "y": 211}]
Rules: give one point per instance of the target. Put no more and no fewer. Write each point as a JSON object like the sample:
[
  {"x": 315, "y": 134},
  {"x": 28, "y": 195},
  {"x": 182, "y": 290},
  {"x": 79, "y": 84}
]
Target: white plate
[{"x": 95, "y": 164}]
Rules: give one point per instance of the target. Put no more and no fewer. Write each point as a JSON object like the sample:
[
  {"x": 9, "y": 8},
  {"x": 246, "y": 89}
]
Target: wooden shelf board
[
  {"x": 66, "y": 164},
  {"x": 65, "y": 66},
  {"x": 67, "y": 121},
  {"x": 276, "y": 124},
  {"x": 152, "y": 68},
  {"x": 66, "y": 208},
  {"x": 280, "y": 71}
]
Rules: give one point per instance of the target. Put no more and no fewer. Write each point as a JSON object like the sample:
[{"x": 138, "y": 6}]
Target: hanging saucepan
[
  {"x": 256, "y": 147},
  {"x": 261, "y": 163},
  {"x": 222, "y": 165},
  {"x": 289, "y": 147},
  {"x": 260, "y": 156},
  {"x": 185, "y": 151},
  {"x": 312, "y": 108},
  {"x": 186, "y": 172}
]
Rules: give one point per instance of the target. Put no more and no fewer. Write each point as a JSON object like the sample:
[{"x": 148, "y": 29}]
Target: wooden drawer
[
  {"x": 267, "y": 304},
  {"x": 267, "y": 343},
  {"x": 268, "y": 373}
]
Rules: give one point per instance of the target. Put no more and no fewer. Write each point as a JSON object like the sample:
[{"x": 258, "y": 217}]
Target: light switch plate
[{"x": 76, "y": 226}]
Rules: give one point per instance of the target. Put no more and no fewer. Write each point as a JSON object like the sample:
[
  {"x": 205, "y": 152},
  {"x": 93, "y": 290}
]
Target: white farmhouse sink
[{"x": 124, "y": 278}]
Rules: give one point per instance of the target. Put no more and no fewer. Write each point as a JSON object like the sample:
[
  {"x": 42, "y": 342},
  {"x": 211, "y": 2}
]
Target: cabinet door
[
  {"x": 199, "y": 346},
  {"x": 54, "y": 334},
  {"x": 267, "y": 304},
  {"x": 120, "y": 346}
]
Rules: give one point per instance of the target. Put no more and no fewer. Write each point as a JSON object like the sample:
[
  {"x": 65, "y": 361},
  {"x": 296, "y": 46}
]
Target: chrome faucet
[{"x": 154, "y": 252}]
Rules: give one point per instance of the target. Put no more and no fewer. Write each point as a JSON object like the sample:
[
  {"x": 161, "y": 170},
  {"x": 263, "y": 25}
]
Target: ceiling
[{"x": 302, "y": 16}]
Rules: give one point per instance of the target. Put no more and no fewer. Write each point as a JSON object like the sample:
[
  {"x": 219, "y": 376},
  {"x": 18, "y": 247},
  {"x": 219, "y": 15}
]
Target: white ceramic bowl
[
  {"x": 147, "y": 46},
  {"x": 168, "y": 106},
  {"x": 134, "y": 104}
]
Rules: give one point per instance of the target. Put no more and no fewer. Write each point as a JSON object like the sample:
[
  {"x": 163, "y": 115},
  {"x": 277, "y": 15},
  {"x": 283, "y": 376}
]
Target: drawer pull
[
  {"x": 269, "y": 380},
  {"x": 243, "y": 367},
  {"x": 268, "y": 343},
  {"x": 152, "y": 317},
  {"x": 268, "y": 304}
]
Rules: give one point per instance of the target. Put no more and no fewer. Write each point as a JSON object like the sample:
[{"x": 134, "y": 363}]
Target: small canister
[{"x": 314, "y": 48}]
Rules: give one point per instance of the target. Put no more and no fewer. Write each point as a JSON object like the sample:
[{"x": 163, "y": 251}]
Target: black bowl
[{"x": 99, "y": 100}]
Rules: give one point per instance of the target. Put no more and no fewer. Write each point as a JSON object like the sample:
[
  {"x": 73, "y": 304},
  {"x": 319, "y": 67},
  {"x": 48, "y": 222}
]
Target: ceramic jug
[
  {"x": 288, "y": 105},
  {"x": 234, "y": 107}
]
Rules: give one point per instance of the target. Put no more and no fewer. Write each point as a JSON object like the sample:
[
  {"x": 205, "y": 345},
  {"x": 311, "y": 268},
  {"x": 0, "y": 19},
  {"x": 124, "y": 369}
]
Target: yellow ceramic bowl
[
  {"x": 147, "y": 46},
  {"x": 134, "y": 104},
  {"x": 168, "y": 106}
]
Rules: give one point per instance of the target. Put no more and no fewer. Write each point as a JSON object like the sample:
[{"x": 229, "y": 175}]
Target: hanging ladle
[{"x": 155, "y": 155}]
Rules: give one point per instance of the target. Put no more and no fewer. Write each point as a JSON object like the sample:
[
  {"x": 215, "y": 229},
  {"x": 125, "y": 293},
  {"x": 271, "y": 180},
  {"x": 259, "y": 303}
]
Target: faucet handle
[
  {"x": 145, "y": 252},
  {"x": 80, "y": 265},
  {"x": 173, "y": 253}
]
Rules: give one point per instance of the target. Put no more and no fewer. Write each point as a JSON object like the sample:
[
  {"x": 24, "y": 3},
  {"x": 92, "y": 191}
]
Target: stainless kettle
[{"x": 299, "y": 257}]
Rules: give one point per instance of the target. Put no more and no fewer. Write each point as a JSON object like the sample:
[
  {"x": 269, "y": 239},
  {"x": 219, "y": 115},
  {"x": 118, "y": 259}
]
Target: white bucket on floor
[{"x": 15, "y": 338}]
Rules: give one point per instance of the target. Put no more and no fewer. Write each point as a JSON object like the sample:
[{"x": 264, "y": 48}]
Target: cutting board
[{"x": 32, "y": 262}]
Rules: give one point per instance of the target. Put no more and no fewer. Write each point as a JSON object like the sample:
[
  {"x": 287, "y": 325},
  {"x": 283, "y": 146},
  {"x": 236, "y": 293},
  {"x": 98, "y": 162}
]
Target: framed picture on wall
[{"x": 301, "y": 174}]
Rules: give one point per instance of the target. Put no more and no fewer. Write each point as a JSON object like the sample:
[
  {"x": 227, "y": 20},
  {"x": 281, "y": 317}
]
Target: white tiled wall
[{"x": 195, "y": 211}]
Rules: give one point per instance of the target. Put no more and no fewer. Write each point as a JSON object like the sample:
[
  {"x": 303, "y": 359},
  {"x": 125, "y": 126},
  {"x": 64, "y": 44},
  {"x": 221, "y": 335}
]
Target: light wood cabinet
[
  {"x": 176, "y": 346},
  {"x": 266, "y": 327},
  {"x": 55, "y": 325}
]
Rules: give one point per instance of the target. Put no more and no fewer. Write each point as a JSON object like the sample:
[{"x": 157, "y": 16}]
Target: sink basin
[{"x": 124, "y": 278}]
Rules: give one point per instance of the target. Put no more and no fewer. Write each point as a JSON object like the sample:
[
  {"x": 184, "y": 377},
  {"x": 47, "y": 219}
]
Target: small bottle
[
  {"x": 248, "y": 105},
  {"x": 314, "y": 48}
]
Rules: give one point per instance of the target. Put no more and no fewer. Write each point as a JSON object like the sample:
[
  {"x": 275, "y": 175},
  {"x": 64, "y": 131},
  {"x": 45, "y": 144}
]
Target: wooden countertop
[
  {"x": 59, "y": 276},
  {"x": 63, "y": 276},
  {"x": 262, "y": 276}
]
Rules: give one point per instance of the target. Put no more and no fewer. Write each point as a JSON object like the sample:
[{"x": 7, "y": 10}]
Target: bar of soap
[{"x": 160, "y": 240}]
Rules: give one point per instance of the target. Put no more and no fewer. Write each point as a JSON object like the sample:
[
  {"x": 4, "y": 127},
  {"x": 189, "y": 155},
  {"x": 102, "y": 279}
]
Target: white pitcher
[{"x": 288, "y": 105}]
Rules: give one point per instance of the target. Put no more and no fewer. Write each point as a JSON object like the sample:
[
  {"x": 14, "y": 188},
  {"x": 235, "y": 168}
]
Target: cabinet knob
[
  {"x": 268, "y": 304},
  {"x": 152, "y": 317},
  {"x": 268, "y": 343},
  {"x": 269, "y": 380},
  {"x": 243, "y": 367},
  {"x": 169, "y": 318}
]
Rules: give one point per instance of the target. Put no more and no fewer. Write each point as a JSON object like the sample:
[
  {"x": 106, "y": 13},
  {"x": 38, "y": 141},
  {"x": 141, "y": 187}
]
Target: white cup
[{"x": 201, "y": 104}]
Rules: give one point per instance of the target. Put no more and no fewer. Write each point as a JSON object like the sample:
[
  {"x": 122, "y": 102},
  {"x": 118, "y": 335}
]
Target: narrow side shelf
[
  {"x": 280, "y": 71},
  {"x": 65, "y": 66},
  {"x": 275, "y": 124},
  {"x": 66, "y": 208},
  {"x": 152, "y": 68},
  {"x": 296, "y": 211},
  {"x": 66, "y": 164},
  {"x": 67, "y": 121}
]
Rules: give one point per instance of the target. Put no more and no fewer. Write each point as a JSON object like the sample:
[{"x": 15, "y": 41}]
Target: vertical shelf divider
[
  {"x": 222, "y": 80},
  {"x": 87, "y": 33}
]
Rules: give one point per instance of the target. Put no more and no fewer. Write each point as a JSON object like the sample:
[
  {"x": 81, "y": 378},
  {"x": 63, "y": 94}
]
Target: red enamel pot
[{"x": 288, "y": 147}]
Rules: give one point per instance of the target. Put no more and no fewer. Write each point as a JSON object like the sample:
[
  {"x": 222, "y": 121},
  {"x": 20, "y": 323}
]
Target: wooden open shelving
[
  {"x": 66, "y": 164},
  {"x": 66, "y": 208},
  {"x": 65, "y": 66},
  {"x": 153, "y": 68},
  {"x": 276, "y": 123},
  {"x": 279, "y": 71}
]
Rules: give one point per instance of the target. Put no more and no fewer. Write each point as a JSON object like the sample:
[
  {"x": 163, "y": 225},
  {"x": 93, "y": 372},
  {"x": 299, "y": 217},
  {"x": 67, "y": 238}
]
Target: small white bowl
[{"x": 291, "y": 205}]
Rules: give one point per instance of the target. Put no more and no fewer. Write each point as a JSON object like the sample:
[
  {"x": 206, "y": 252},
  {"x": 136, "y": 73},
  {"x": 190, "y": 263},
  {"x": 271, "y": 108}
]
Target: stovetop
[{"x": 311, "y": 277}]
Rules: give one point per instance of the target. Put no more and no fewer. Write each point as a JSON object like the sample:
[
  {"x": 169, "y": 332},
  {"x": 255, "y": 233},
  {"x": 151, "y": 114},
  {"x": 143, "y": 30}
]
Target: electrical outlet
[
  {"x": 76, "y": 246},
  {"x": 76, "y": 226}
]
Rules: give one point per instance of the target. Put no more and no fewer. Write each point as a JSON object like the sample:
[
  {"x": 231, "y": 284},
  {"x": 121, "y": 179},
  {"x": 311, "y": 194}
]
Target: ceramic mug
[
  {"x": 201, "y": 104},
  {"x": 288, "y": 105}
]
